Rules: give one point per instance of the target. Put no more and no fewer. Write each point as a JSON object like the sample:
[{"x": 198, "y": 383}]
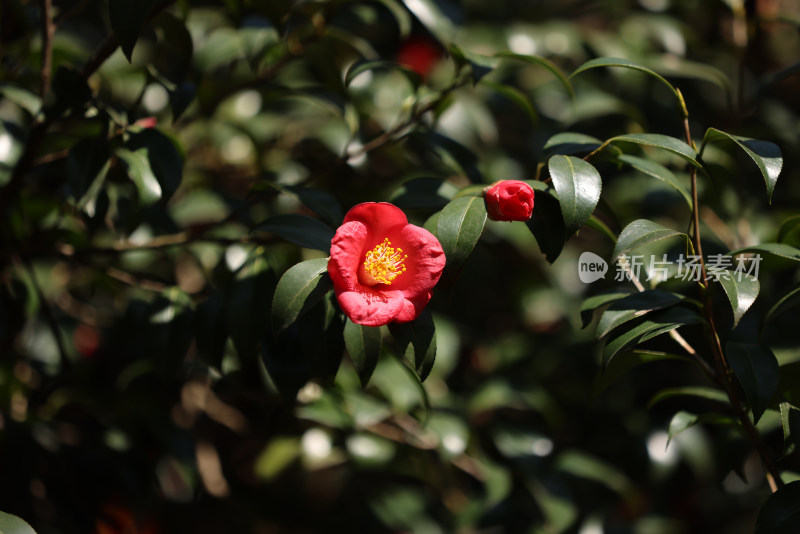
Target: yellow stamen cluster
[{"x": 383, "y": 263}]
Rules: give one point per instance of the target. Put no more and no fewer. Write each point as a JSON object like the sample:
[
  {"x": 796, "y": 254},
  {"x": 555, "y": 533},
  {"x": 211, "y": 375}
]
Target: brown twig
[{"x": 48, "y": 30}]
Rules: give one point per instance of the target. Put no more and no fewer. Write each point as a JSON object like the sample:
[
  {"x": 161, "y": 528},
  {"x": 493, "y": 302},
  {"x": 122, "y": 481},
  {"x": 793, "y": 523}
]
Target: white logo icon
[{"x": 591, "y": 267}]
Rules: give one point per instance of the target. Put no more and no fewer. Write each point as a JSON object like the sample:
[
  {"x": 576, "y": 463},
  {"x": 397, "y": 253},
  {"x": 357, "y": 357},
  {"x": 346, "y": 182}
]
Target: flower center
[{"x": 383, "y": 264}]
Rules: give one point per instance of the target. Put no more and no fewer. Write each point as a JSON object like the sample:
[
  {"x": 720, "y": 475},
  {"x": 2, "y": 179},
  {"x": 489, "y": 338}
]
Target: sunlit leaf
[
  {"x": 642, "y": 232},
  {"x": 658, "y": 171},
  {"x": 767, "y": 156},
  {"x": 299, "y": 288},
  {"x": 595, "y": 301},
  {"x": 11, "y": 524},
  {"x": 542, "y": 62},
  {"x": 578, "y": 185},
  {"x": 25, "y": 99},
  {"x": 364, "y": 346},
  {"x": 624, "y": 63},
  {"x": 742, "y": 292},
  {"x": 141, "y": 174},
  {"x": 162, "y": 156},
  {"x": 780, "y": 514},
  {"x": 656, "y": 324},
  {"x": 633, "y": 306},
  {"x": 300, "y": 230},
  {"x": 757, "y": 370},
  {"x": 665, "y": 142}
]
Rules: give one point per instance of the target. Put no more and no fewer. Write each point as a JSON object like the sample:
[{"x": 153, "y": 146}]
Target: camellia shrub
[{"x": 399, "y": 266}]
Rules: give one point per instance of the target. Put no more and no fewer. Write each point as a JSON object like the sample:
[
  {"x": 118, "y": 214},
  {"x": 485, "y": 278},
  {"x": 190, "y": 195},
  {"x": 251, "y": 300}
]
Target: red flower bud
[
  {"x": 420, "y": 55},
  {"x": 509, "y": 200},
  {"x": 383, "y": 269}
]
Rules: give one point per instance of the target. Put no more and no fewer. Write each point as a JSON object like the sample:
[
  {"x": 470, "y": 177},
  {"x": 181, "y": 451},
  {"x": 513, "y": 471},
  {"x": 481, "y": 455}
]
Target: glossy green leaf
[
  {"x": 479, "y": 65},
  {"x": 364, "y": 346},
  {"x": 515, "y": 96},
  {"x": 416, "y": 342},
  {"x": 633, "y": 306},
  {"x": 162, "y": 156},
  {"x": 11, "y": 524},
  {"x": 757, "y": 370},
  {"x": 542, "y": 62},
  {"x": 627, "y": 64},
  {"x": 578, "y": 185},
  {"x": 433, "y": 17},
  {"x": 625, "y": 362},
  {"x": 401, "y": 16},
  {"x": 658, "y": 171},
  {"x": 790, "y": 421},
  {"x": 656, "y": 324},
  {"x": 788, "y": 226},
  {"x": 595, "y": 223},
  {"x": 459, "y": 227},
  {"x": 778, "y": 249},
  {"x": 742, "y": 291},
  {"x": 364, "y": 66},
  {"x": 127, "y": 18},
  {"x": 25, "y": 99},
  {"x": 595, "y": 301},
  {"x": 706, "y": 393},
  {"x": 141, "y": 174},
  {"x": 780, "y": 514},
  {"x": 683, "y": 420},
  {"x": 547, "y": 226},
  {"x": 300, "y": 230},
  {"x": 570, "y": 143},
  {"x": 665, "y": 142},
  {"x": 642, "y": 232},
  {"x": 767, "y": 156},
  {"x": 299, "y": 288}
]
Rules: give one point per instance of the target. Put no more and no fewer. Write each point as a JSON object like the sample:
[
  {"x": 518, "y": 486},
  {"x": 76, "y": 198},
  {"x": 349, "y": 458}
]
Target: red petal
[
  {"x": 347, "y": 251},
  {"x": 371, "y": 308},
  {"x": 379, "y": 217},
  {"x": 413, "y": 307},
  {"x": 424, "y": 264}
]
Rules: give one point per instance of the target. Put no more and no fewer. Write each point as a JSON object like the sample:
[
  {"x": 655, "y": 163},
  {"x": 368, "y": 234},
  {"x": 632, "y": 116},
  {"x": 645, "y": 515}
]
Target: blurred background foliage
[{"x": 144, "y": 202}]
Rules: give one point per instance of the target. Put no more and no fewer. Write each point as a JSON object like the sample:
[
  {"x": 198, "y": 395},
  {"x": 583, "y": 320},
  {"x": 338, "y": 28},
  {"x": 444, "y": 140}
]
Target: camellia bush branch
[{"x": 399, "y": 266}]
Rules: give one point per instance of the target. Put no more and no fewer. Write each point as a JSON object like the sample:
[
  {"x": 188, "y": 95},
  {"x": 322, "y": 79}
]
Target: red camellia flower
[
  {"x": 383, "y": 269},
  {"x": 509, "y": 200},
  {"x": 419, "y": 54}
]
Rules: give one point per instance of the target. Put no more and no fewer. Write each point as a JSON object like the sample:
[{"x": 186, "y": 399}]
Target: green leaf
[
  {"x": 547, "y": 226},
  {"x": 569, "y": 143},
  {"x": 127, "y": 18},
  {"x": 364, "y": 66},
  {"x": 690, "y": 391},
  {"x": 656, "y": 324},
  {"x": 299, "y": 288},
  {"x": 585, "y": 466},
  {"x": 162, "y": 156},
  {"x": 320, "y": 202},
  {"x": 25, "y": 99},
  {"x": 781, "y": 511},
  {"x": 459, "y": 227},
  {"x": 680, "y": 422},
  {"x": 792, "y": 298},
  {"x": 417, "y": 343},
  {"x": 790, "y": 421},
  {"x": 478, "y": 64},
  {"x": 578, "y": 185},
  {"x": 542, "y": 62},
  {"x": 401, "y": 16},
  {"x": 142, "y": 175},
  {"x": 742, "y": 292},
  {"x": 767, "y": 156},
  {"x": 515, "y": 96},
  {"x": 665, "y": 142},
  {"x": 432, "y": 17},
  {"x": 595, "y": 301},
  {"x": 633, "y": 306},
  {"x": 424, "y": 192},
  {"x": 658, "y": 171},
  {"x": 778, "y": 249},
  {"x": 642, "y": 232},
  {"x": 758, "y": 372},
  {"x": 86, "y": 161},
  {"x": 625, "y": 63},
  {"x": 788, "y": 227},
  {"x": 11, "y": 524},
  {"x": 625, "y": 362},
  {"x": 300, "y": 230},
  {"x": 364, "y": 346}
]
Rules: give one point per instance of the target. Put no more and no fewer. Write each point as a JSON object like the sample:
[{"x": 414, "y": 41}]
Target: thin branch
[{"x": 48, "y": 30}]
